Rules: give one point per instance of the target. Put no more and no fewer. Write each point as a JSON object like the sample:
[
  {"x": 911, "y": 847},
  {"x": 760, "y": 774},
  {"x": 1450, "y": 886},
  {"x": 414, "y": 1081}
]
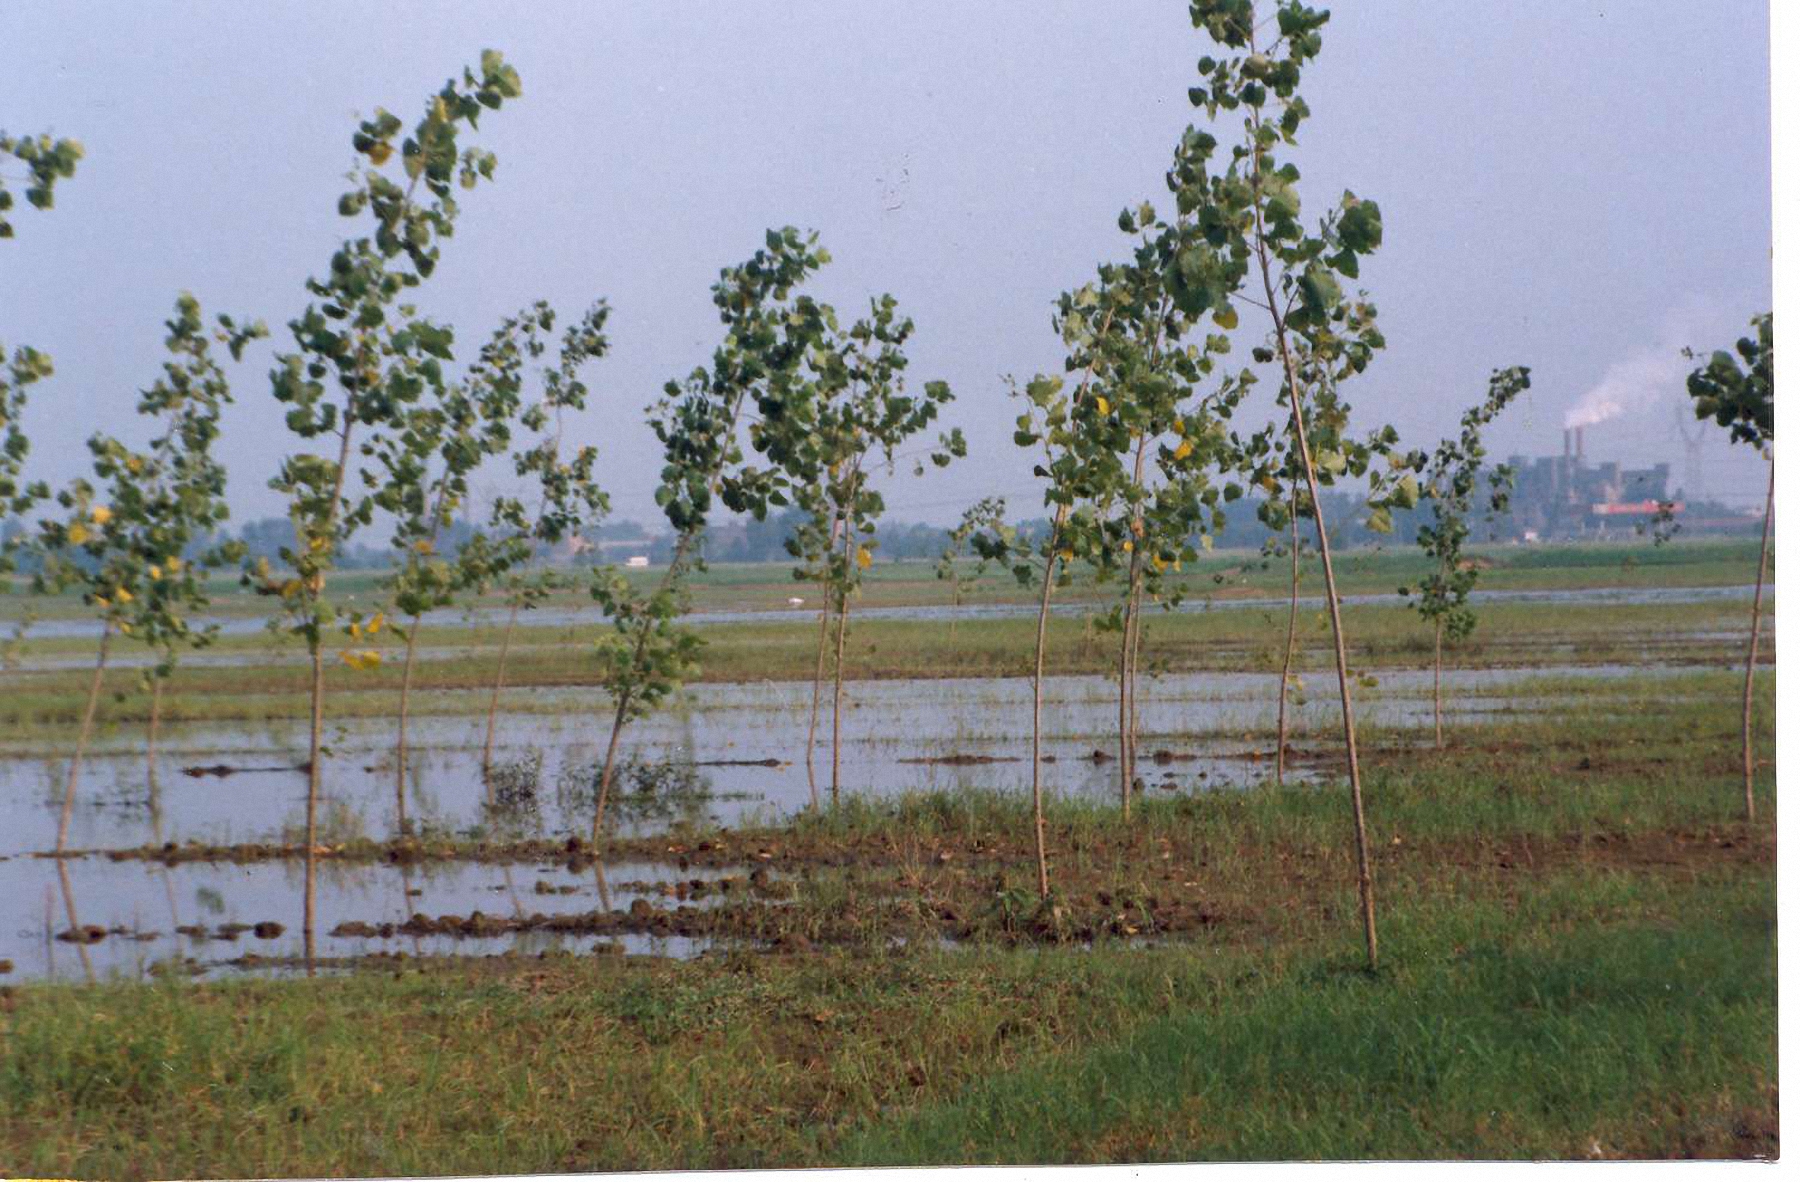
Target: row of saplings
[{"x": 1136, "y": 442}]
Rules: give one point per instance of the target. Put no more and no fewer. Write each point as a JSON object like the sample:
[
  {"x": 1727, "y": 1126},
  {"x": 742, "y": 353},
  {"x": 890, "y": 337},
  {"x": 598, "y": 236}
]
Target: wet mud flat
[{"x": 794, "y": 891}]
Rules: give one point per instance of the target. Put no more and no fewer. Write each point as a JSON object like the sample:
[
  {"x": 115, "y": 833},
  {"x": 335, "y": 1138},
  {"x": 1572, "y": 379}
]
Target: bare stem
[
  {"x": 87, "y": 728},
  {"x": 1365, "y": 881},
  {"x": 406, "y": 672},
  {"x": 1762, "y": 563},
  {"x": 837, "y": 690},
  {"x": 493, "y": 710},
  {"x": 1287, "y": 652}
]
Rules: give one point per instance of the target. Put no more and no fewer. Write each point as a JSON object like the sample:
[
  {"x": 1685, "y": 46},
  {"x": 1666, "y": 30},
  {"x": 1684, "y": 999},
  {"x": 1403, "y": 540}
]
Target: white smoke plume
[
  {"x": 1645, "y": 377},
  {"x": 1656, "y": 375}
]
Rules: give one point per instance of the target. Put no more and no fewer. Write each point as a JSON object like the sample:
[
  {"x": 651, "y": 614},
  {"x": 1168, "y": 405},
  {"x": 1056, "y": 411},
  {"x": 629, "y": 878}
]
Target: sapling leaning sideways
[{"x": 362, "y": 361}]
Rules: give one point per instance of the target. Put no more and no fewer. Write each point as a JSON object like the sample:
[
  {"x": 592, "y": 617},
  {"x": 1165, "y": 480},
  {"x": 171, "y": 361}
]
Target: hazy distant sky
[{"x": 1578, "y": 187}]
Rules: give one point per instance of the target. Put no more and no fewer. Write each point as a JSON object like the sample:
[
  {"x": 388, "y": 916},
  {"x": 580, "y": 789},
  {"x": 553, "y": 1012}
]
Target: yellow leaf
[
  {"x": 423, "y": 545},
  {"x": 124, "y": 595},
  {"x": 1128, "y": 546},
  {"x": 77, "y": 534},
  {"x": 290, "y": 588},
  {"x": 1067, "y": 555},
  {"x": 863, "y": 557},
  {"x": 379, "y": 152},
  {"x": 103, "y": 601},
  {"x": 1185, "y": 450},
  {"x": 1104, "y": 405},
  {"x": 101, "y": 514},
  {"x": 1226, "y": 317},
  {"x": 355, "y": 631},
  {"x": 125, "y": 628},
  {"x": 376, "y": 621},
  {"x": 155, "y": 571},
  {"x": 174, "y": 565}
]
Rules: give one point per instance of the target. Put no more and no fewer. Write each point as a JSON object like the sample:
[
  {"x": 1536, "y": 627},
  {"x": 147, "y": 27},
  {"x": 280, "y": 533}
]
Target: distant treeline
[{"x": 748, "y": 540}]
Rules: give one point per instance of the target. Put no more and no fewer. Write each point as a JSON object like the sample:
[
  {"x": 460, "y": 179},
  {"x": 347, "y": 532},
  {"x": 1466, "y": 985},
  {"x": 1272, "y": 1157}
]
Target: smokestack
[
  {"x": 1580, "y": 451},
  {"x": 1566, "y": 452}
]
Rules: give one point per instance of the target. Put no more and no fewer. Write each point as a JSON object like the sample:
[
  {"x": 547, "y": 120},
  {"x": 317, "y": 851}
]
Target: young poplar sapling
[
  {"x": 757, "y": 371},
  {"x": 124, "y": 539},
  {"x": 1295, "y": 274},
  {"x": 362, "y": 361},
  {"x": 1738, "y": 393},
  {"x": 1452, "y": 475}
]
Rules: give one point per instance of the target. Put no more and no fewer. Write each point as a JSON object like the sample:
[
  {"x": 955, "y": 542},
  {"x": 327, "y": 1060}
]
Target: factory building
[{"x": 1566, "y": 497}]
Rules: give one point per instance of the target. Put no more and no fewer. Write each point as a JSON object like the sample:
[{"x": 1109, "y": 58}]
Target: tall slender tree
[
  {"x": 861, "y": 414},
  {"x": 125, "y": 538},
  {"x": 363, "y": 360},
  {"x": 564, "y": 497},
  {"x": 1294, "y": 277},
  {"x": 1738, "y": 393},
  {"x": 756, "y": 380},
  {"x": 427, "y": 469}
]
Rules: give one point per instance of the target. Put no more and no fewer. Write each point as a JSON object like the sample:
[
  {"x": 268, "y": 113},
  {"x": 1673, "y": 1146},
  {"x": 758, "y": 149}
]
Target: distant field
[{"x": 1227, "y": 574}]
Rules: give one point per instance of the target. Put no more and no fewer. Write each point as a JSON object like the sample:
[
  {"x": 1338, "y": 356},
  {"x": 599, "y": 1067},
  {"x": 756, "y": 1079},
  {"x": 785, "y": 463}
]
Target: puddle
[{"x": 207, "y": 919}]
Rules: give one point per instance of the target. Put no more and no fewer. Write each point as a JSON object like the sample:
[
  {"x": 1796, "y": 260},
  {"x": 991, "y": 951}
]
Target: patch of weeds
[{"x": 643, "y": 790}]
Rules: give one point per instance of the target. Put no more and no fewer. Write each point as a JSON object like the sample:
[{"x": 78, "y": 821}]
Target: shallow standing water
[{"x": 1200, "y": 733}]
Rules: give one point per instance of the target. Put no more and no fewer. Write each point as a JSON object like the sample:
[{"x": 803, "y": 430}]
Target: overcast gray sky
[{"x": 1578, "y": 187}]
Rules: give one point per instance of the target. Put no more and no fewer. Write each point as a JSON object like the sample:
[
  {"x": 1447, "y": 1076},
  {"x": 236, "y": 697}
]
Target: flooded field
[
  {"x": 725, "y": 755},
  {"x": 565, "y": 616}
]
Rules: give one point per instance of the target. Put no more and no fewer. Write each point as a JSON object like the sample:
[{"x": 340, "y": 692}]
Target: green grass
[
  {"x": 1495, "y": 1035},
  {"x": 1565, "y": 1021}
]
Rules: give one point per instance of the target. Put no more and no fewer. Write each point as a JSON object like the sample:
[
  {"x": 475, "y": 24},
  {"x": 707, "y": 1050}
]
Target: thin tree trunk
[
  {"x": 316, "y": 591},
  {"x": 406, "y": 672},
  {"x": 1127, "y": 710},
  {"x": 812, "y": 725},
  {"x": 1287, "y": 653},
  {"x": 312, "y": 801},
  {"x": 1037, "y": 706},
  {"x": 493, "y": 710},
  {"x": 1437, "y": 682},
  {"x": 837, "y": 690},
  {"x": 87, "y": 726},
  {"x": 606, "y": 767},
  {"x": 1762, "y": 563},
  {"x": 1365, "y": 881},
  {"x": 75, "y": 935},
  {"x": 156, "y": 691},
  {"x": 1137, "y": 644},
  {"x": 818, "y": 688},
  {"x": 624, "y": 705}
]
